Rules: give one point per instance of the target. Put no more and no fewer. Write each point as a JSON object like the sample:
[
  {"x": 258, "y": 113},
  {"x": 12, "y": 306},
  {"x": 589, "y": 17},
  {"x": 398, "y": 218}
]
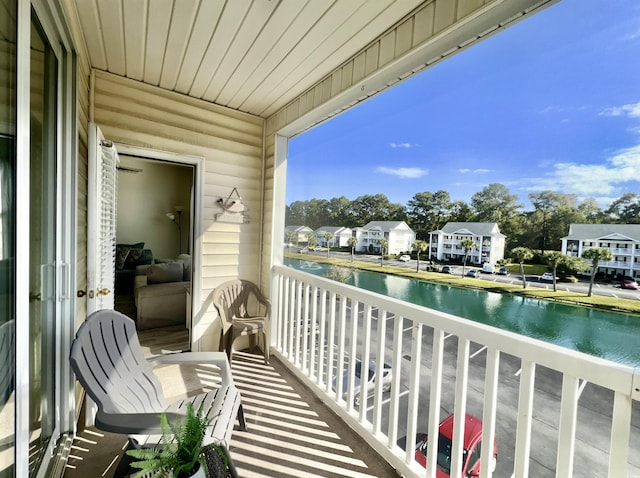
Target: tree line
[{"x": 540, "y": 228}]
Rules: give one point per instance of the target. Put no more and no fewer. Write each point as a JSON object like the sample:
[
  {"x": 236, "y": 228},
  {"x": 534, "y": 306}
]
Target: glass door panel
[
  {"x": 42, "y": 274},
  {"x": 7, "y": 239}
]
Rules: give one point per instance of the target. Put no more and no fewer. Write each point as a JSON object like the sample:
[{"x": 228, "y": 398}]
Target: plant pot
[{"x": 198, "y": 474}]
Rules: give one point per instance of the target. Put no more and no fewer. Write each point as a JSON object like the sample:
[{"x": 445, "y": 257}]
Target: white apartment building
[
  {"x": 340, "y": 236},
  {"x": 297, "y": 234},
  {"x": 444, "y": 244},
  {"x": 623, "y": 240},
  {"x": 400, "y": 236}
]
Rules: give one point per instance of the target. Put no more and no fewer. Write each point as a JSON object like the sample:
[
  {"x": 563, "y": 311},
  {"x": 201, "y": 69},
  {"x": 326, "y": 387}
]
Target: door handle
[{"x": 104, "y": 291}]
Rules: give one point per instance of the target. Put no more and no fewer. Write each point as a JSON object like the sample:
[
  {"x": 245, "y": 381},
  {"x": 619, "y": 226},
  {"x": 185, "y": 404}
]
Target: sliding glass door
[{"x": 43, "y": 313}]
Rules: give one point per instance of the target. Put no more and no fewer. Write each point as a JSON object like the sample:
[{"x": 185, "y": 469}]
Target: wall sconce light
[{"x": 177, "y": 220}]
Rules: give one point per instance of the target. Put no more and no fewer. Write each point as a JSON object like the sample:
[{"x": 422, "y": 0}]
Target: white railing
[{"x": 528, "y": 393}]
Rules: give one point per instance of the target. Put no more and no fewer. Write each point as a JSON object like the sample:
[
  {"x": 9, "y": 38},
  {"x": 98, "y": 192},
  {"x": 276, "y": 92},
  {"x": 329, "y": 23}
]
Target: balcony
[
  {"x": 540, "y": 401},
  {"x": 528, "y": 393}
]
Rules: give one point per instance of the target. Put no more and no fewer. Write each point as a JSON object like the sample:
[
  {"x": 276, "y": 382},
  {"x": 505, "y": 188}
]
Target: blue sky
[{"x": 551, "y": 103}]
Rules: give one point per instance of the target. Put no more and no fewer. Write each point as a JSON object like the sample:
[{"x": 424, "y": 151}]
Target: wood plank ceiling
[{"x": 250, "y": 55}]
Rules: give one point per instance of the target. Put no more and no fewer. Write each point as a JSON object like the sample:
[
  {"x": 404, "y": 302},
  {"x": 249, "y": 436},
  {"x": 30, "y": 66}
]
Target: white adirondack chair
[{"x": 108, "y": 361}]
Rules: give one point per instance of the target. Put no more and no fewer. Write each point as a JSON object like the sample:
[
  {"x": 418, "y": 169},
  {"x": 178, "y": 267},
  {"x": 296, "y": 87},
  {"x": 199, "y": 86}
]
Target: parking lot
[{"x": 610, "y": 290}]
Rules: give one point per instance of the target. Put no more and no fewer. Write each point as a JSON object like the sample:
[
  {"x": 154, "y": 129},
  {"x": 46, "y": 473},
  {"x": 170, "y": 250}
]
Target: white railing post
[
  {"x": 380, "y": 347},
  {"x": 489, "y": 412},
  {"x": 525, "y": 415},
  {"x": 396, "y": 364},
  {"x": 567, "y": 432},
  {"x": 434, "y": 400},
  {"x": 620, "y": 435},
  {"x": 414, "y": 386},
  {"x": 460, "y": 407},
  {"x": 366, "y": 357}
]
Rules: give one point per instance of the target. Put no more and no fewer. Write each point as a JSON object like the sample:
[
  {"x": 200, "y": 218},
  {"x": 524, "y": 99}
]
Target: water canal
[{"x": 609, "y": 335}]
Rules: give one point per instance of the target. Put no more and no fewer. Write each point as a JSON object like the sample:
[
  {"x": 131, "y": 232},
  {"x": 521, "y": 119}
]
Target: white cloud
[
  {"x": 402, "y": 145},
  {"x": 474, "y": 171},
  {"x": 632, "y": 110},
  {"x": 405, "y": 173},
  {"x": 591, "y": 180}
]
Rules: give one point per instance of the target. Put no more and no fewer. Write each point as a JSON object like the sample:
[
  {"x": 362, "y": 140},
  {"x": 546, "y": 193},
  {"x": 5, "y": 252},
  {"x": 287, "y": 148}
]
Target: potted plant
[{"x": 180, "y": 453}]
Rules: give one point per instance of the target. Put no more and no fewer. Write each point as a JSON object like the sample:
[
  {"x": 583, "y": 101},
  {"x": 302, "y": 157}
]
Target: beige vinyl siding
[{"x": 230, "y": 142}]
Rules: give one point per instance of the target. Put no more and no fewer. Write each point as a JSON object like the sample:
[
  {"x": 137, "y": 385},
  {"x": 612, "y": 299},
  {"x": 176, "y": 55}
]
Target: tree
[
  {"x": 384, "y": 243},
  {"x": 467, "y": 244},
  {"x": 625, "y": 209},
  {"x": 521, "y": 254},
  {"x": 327, "y": 237},
  {"x": 553, "y": 259},
  {"x": 545, "y": 202},
  {"x": 428, "y": 211},
  {"x": 420, "y": 246},
  {"x": 595, "y": 255},
  {"x": 291, "y": 236},
  {"x": 312, "y": 240},
  {"x": 495, "y": 203},
  {"x": 352, "y": 243}
]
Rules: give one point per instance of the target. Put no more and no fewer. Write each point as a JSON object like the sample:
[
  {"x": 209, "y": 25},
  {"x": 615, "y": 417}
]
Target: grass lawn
[{"x": 597, "y": 301}]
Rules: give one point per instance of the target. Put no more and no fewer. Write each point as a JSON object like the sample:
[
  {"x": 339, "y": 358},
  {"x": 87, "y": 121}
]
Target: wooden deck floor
[{"x": 290, "y": 432}]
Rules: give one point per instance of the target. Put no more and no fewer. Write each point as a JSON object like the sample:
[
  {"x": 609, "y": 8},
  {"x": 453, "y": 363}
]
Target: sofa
[
  {"x": 160, "y": 292},
  {"x": 128, "y": 258}
]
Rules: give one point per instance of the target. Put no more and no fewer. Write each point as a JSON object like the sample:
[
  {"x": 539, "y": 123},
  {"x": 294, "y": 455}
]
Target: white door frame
[{"x": 196, "y": 224}]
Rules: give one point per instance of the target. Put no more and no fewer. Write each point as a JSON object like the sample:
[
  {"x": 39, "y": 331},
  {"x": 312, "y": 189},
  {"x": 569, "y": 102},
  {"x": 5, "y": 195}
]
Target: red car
[
  {"x": 629, "y": 284},
  {"x": 470, "y": 452}
]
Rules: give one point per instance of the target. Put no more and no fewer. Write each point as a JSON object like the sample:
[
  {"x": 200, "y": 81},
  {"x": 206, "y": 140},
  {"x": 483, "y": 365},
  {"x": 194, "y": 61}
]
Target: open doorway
[{"x": 154, "y": 244}]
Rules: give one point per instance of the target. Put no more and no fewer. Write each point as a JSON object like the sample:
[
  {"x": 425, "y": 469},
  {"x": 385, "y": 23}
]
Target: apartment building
[
  {"x": 444, "y": 244},
  {"x": 622, "y": 240},
  {"x": 400, "y": 236},
  {"x": 339, "y": 236}
]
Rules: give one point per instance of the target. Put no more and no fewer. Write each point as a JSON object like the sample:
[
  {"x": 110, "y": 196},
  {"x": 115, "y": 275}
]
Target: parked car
[
  {"x": 475, "y": 273},
  {"x": 471, "y": 447},
  {"x": 503, "y": 271},
  {"x": 446, "y": 270},
  {"x": 547, "y": 276},
  {"x": 487, "y": 268},
  {"x": 372, "y": 376},
  {"x": 629, "y": 284},
  {"x": 404, "y": 258}
]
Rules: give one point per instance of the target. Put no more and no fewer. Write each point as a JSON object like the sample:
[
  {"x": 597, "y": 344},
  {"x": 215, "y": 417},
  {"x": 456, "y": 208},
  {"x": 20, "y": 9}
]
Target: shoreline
[{"x": 609, "y": 304}]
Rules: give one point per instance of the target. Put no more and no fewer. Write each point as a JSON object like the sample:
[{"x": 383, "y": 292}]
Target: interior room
[{"x": 153, "y": 240}]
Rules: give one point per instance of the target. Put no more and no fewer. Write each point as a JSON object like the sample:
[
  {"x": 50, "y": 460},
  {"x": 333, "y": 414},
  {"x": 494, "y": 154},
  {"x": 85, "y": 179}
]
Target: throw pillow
[
  {"x": 121, "y": 256},
  {"x": 165, "y": 272},
  {"x": 137, "y": 245},
  {"x": 134, "y": 256}
]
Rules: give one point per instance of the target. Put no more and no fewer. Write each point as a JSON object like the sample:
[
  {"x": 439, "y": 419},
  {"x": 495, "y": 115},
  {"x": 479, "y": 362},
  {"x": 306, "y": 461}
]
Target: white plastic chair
[
  {"x": 244, "y": 311},
  {"x": 108, "y": 361}
]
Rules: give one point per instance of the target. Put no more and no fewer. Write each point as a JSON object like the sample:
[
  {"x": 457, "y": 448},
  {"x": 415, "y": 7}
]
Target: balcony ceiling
[{"x": 253, "y": 56}]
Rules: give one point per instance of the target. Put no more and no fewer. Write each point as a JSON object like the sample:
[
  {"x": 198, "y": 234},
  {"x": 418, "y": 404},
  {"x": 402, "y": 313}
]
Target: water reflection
[{"x": 599, "y": 333}]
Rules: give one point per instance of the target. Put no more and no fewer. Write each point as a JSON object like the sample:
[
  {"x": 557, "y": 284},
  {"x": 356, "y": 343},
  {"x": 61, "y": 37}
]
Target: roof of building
[
  {"x": 298, "y": 229},
  {"x": 333, "y": 229},
  {"x": 474, "y": 228},
  {"x": 604, "y": 231},
  {"x": 387, "y": 225}
]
